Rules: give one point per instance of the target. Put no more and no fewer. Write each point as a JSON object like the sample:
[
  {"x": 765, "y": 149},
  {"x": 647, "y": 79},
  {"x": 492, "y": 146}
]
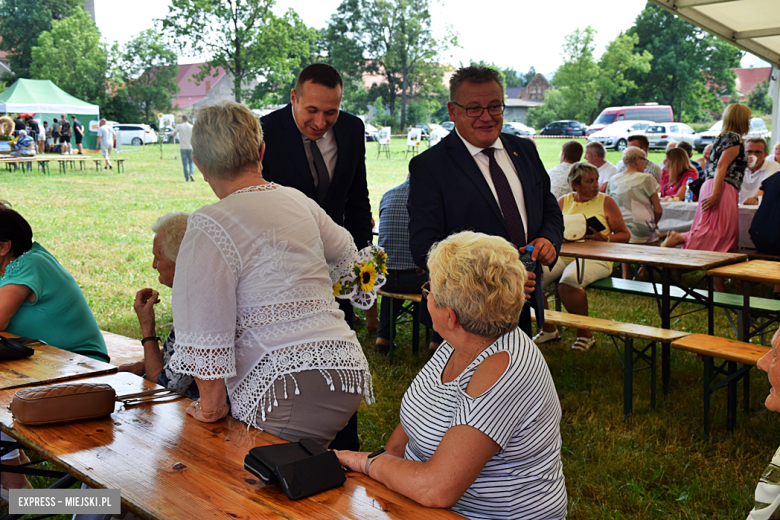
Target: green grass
[{"x": 656, "y": 465}]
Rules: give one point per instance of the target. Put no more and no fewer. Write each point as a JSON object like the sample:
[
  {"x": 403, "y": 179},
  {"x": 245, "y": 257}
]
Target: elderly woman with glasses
[
  {"x": 609, "y": 227},
  {"x": 479, "y": 426}
]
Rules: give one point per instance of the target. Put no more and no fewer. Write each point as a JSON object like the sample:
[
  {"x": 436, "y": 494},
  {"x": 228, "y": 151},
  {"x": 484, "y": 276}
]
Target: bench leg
[
  {"x": 415, "y": 328},
  {"x": 708, "y": 369},
  {"x": 746, "y": 393},
  {"x": 628, "y": 376},
  {"x": 652, "y": 376},
  {"x": 732, "y": 398},
  {"x": 392, "y": 329}
]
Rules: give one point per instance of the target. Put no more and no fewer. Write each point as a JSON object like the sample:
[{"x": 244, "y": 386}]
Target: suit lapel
[
  {"x": 464, "y": 160},
  {"x": 297, "y": 151}
]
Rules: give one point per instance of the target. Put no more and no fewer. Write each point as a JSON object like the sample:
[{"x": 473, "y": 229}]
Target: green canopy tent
[{"x": 48, "y": 101}]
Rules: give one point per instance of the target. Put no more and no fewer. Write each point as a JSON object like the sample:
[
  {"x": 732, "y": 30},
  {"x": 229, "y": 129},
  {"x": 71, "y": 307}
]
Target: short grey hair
[
  {"x": 631, "y": 154},
  {"x": 671, "y": 145},
  {"x": 173, "y": 226},
  {"x": 22, "y": 133},
  {"x": 102, "y": 122},
  {"x": 580, "y": 170},
  {"x": 597, "y": 148}
]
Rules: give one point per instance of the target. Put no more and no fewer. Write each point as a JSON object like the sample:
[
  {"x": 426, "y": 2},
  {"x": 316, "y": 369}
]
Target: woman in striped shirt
[{"x": 479, "y": 431}]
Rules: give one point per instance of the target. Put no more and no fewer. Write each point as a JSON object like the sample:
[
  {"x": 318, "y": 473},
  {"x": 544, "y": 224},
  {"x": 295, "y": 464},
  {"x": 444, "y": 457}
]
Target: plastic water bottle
[
  {"x": 688, "y": 192},
  {"x": 530, "y": 265}
]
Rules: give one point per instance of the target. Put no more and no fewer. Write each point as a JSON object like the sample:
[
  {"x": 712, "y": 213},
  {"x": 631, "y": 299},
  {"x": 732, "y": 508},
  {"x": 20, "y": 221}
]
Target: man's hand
[
  {"x": 144, "y": 303},
  {"x": 136, "y": 368},
  {"x": 543, "y": 251},
  {"x": 750, "y": 201},
  {"x": 530, "y": 284}
]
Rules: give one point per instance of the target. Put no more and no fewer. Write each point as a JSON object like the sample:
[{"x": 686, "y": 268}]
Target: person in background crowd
[
  {"x": 25, "y": 146},
  {"x": 676, "y": 175},
  {"x": 184, "y": 131},
  {"x": 105, "y": 142},
  {"x": 65, "y": 133},
  {"x": 479, "y": 429},
  {"x": 19, "y": 125},
  {"x": 55, "y": 135},
  {"x": 571, "y": 153},
  {"x": 483, "y": 180},
  {"x": 758, "y": 170},
  {"x": 716, "y": 223},
  {"x": 671, "y": 145},
  {"x": 41, "y": 137},
  {"x": 689, "y": 150},
  {"x": 775, "y": 153},
  {"x": 78, "y": 133},
  {"x": 705, "y": 158},
  {"x": 596, "y": 155},
  {"x": 765, "y": 228},
  {"x": 641, "y": 141},
  {"x": 317, "y": 148},
  {"x": 585, "y": 200},
  {"x": 47, "y": 132},
  {"x": 403, "y": 276},
  {"x": 169, "y": 232}
]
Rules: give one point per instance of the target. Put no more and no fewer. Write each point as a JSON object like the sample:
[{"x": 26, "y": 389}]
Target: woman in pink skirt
[{"x": 716, "y": 224}]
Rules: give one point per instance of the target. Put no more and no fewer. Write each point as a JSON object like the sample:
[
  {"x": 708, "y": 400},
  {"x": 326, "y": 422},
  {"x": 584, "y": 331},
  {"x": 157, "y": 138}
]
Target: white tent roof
[{"x": 752, "y": 25}]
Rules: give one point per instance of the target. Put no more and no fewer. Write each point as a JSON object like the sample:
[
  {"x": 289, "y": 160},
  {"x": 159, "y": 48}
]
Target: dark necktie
[
  {"x": 323, "y": 179},
  {"x": 506, "y": 200}
]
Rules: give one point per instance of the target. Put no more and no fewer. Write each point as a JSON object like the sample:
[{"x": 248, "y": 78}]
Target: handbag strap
[{"x": 160, "y": 395}]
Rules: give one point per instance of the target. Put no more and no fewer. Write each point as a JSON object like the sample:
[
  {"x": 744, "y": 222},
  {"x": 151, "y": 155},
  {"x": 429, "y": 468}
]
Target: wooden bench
[
  {"x": 759, "y": 307},
  {"x": 627, "y": 333},
  {"x": 41, "y": 161},
  {"x": 119, "y": 161},
  {"x": 411, "y": 308},
  {"x": 732, "y": 353},
  {"x": 122, "y": 349}
]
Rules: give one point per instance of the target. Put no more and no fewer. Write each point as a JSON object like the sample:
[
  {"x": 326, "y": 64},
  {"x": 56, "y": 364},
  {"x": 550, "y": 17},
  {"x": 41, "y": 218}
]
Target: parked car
[
  {"x": 448, "y": 126},
  {"x": 426, "y": 130},
  {"x": 757, "y": 129},
  {"x": 371, "y": 132},
  {"x": 517, "y": 129},
  {"x": 661, "y": 135},
  {"x": 640, "y": 112},
  {"x": 616, "y": 135},
  {"x": 565, "y": 128},
  {"x": 135, "y": 134}
]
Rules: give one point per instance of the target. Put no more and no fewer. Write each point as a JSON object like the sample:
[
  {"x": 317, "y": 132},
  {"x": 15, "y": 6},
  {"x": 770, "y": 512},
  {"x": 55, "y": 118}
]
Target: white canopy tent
[{"x": 752, "y": 25}]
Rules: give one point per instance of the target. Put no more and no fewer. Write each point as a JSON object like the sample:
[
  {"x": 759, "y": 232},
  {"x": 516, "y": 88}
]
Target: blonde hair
[
  {"x": 173, "y": 225},
  {"x": 736, "y": 118},
  {"x": 226, "y": 138},
  {"x": 480, "y": 277},
  {"x": 677, "y": 163},
  {"x": 580, "y": 170}
]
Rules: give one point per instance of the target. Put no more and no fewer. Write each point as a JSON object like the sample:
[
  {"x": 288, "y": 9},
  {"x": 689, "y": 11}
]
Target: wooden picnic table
[
  {"x": 661, "y": 261},
  {"x": 171, "y": 466},
  {"x": 48, "y": 365},
  {"x": 753, "y": 271}
]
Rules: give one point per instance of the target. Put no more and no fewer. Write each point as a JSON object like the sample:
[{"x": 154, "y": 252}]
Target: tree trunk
[{"x": 403, "y": 97}]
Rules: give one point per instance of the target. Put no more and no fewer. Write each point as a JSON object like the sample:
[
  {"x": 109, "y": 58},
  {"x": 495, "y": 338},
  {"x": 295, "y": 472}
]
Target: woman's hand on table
[
  {"x": 144, "y": 303},
  {"x": 596, "y": 236},
  {"x": 136, "y": 368},
  {"x": 195, "y": 411},
  {"x": 354, "y": 460},
  {"x": 750, "y": 201}
]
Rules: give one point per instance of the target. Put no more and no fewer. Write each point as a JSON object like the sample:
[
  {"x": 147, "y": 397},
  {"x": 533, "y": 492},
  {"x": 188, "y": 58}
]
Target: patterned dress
[{"x": 632, "y": 192}]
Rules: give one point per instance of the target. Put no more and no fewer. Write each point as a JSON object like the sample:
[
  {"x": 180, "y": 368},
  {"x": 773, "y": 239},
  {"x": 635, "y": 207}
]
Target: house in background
[
  {"x": 747, "y": 79},
  {"x": 520, "y": 99},
  {"x": 212, "y": 89}
]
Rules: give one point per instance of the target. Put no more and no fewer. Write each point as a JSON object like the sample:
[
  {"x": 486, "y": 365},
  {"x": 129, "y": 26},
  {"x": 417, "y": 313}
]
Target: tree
[
  {"x": 147, "y": 70},
  {"x": 685, "y": 58},
  {"x": 759, "y": 100},
  {"x": 528, "y": 76},
  {"x": 242, "y": 36},
  {"x": 513, "y": 78},
  {"x": 72, "y": 56},
  {"x": 21, "y": 23},
  {"x": 392, "y": 38}
]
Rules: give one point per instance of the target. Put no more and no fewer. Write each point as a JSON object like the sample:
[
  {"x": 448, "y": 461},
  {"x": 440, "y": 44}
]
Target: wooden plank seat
[
  {"x": 733, "y": 353},
  {"x": 411, "y": 308},
  {"x": 122, "y": 349},
  {"x": 626, "y": 333},
  {"x": 760, "y": 308}
]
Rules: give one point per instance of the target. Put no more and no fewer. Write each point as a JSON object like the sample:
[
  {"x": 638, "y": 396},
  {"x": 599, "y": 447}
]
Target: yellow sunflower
[
  {"x": 337, "y": 288},
  {"x": 367, "y": 276}
]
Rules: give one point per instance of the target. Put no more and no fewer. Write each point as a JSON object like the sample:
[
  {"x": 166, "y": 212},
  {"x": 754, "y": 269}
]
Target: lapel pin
[{"x": 515, "y": 153}]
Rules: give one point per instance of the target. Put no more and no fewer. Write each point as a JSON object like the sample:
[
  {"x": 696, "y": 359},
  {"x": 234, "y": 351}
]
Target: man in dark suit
[
  {"x": 316, "y": 148},
  {"x": 482, "y": 180}
]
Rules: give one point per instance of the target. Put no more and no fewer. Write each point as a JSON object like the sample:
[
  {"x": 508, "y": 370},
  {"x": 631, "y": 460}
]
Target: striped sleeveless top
[{"x": 520, "y": 412}]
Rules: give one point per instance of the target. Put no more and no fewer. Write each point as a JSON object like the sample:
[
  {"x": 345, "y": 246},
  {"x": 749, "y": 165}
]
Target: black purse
[
  {"x": 11, "y": 350},
  {"x": 696, "y": 186},
  {"x": 301, "y": 468}
]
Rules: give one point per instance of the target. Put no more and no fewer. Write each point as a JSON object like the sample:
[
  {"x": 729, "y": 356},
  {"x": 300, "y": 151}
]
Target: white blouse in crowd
[{"x": 253, "y": 298}]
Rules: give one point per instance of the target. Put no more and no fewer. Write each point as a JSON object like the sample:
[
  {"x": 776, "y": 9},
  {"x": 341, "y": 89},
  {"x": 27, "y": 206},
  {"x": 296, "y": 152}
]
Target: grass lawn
[{"x": 656, "y": 465}]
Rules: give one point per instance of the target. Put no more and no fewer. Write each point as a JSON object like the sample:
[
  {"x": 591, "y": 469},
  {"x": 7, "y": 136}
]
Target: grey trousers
[{"x": 317, "y": 413}]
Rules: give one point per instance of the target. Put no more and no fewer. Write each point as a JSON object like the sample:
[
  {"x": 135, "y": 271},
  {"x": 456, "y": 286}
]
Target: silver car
[
  {"x": 662, "y": 134},
  {"x": 757, "y": 129}
]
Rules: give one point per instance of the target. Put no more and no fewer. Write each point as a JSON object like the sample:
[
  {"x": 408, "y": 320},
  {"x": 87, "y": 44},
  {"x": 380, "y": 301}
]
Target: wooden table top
[
  {"x": 673, "y": 258},
  {"x": 762, "y": 271},
  {"x": 49, "y": 365},
  {"x": 170, "y": 466}
]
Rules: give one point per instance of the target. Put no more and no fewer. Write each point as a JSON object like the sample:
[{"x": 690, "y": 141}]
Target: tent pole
[{"x": 774, "y": 90}]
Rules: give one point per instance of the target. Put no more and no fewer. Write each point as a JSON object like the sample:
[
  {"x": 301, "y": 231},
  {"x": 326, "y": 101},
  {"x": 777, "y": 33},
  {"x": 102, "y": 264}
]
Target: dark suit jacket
[
  {"x": 448, "y": 194},
  {"x": 285, "y": 163}
]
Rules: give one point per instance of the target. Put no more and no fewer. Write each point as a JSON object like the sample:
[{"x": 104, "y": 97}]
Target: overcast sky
[{"x": 509, "y": 33}]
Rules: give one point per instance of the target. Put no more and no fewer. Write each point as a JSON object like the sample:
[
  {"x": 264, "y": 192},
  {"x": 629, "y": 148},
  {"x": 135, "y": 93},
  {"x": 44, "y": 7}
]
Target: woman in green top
[{"x": 38, "y": 297}]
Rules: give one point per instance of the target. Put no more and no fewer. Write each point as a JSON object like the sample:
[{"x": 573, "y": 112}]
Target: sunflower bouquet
[{"x": 365, "y": 277}]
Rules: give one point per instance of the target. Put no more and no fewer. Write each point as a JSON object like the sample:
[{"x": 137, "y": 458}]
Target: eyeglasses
[
  {"x": 493, "y": 110},
  {"x": 426, "y": 290}
]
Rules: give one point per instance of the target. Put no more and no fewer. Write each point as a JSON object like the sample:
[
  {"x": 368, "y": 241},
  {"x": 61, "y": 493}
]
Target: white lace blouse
[{"x": 253, "y": 298}]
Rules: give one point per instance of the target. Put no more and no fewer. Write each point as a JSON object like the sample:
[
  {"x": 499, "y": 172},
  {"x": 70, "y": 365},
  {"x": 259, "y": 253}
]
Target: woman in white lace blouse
[{"x": 253, "y": 303}]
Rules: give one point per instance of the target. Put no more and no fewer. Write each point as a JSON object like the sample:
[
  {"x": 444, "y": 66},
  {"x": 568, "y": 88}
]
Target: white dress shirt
[
  {"x": 328, "y": 148},
  {"x": 751, "y": 182},
  {"x": 508, "y": 167}
]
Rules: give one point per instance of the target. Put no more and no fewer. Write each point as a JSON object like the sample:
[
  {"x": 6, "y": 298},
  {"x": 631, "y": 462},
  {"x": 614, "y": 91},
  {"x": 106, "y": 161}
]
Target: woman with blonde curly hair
[{"x": 479, "y": 431}]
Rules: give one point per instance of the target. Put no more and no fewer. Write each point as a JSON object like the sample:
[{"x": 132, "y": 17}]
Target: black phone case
[
  {"x": 596, "y": 224},
  {"x": 11, "y": 350},
  {"x": 311, "y": 475},
  {"x": 263, "y": 460}
]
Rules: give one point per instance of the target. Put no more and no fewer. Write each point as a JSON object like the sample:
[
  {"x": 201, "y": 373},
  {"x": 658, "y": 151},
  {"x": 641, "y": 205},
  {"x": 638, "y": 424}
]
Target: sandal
[
  {"x": 544, "y": 337},
  {"x": 583, "y": 344}
]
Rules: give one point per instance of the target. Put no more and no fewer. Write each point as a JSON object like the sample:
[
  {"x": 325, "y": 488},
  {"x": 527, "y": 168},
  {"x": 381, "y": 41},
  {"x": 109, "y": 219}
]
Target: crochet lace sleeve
[{"x": 204, "y": 301}]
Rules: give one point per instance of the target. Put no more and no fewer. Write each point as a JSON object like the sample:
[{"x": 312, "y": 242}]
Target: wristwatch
[{"x": 372, "y": 457}]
